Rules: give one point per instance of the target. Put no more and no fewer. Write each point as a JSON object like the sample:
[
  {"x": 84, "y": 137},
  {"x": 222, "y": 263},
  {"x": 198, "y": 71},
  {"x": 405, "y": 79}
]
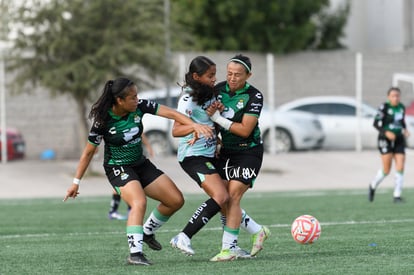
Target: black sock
[
  {"x": 116, "y": 199},
  {"x": 135, "y": 254},
  {"x": 201, "y": 217}
]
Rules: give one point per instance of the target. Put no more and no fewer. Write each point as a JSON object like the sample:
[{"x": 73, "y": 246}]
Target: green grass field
[{"x": 47, "y": 236}]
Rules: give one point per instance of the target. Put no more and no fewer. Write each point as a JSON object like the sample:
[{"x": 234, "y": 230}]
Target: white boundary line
[{"x": 47, "y": 235}]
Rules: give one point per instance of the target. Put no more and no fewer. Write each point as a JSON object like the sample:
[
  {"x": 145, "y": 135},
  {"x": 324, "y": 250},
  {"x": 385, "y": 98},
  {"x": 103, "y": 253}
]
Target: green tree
[
  {"x": 73, "y": 47},
  {"x": 4, "y": 26},
  {"x": 279, "y": 26},
  {"x": 330, "y": 28}
]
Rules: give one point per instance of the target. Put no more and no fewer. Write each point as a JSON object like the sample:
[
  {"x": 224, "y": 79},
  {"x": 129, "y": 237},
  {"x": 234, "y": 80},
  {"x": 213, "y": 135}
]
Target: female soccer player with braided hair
[{"x": 117, "y": 119}]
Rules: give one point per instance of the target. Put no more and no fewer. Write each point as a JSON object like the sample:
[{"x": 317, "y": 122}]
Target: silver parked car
[
  {"x": 339, "y": 121},
  {"x": 295, "y": 130}
]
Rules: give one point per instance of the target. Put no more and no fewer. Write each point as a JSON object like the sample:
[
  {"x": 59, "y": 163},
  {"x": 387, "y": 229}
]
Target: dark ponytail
[{"x": 112, "y": 90}]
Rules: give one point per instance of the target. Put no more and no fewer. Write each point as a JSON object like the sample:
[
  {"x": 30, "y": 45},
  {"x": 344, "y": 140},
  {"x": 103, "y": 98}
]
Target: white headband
[{"x": 241, "y": 62}]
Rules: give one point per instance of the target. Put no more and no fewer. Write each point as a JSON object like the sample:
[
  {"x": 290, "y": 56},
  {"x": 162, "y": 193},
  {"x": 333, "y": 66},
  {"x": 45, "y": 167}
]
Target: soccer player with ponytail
[{"x": 117, "y": 120}]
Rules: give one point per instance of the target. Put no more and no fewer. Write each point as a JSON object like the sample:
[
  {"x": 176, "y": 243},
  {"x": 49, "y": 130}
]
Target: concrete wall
[{"x": 51, "y": 123}]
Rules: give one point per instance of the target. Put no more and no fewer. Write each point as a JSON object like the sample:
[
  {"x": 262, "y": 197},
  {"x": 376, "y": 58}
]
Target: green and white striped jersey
[
  {"x": 122, "y": 135},
  {"x": 246, "y": 101}
]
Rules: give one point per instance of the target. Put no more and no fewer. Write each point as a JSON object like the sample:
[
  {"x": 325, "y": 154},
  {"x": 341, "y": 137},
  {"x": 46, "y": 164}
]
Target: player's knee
[
  {"x": 138, "y": 205},
  {"x": 177, "y": 202},
  {"x": 221, "y": 199}
]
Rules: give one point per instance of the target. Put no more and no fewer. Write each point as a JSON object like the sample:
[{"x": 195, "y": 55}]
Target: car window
[
  {"x": 317, "y": 108},
  {"x": 337, "y": 109},
  {"x": 340, "y": 109}
]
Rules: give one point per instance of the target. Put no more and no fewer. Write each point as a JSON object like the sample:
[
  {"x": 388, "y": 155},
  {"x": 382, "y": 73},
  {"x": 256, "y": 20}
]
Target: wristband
[
  {"x": 76, "y": 181},
  {"x": 222, "y": 121}
]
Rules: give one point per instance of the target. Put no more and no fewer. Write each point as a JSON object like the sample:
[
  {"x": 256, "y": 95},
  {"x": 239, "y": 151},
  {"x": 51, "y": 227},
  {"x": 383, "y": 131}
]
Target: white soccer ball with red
[{"x": 306, "y": 229}]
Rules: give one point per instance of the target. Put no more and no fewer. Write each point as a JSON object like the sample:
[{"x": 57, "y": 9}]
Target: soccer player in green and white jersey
[
  {"x": 117, "y": 120},
  {"x": 390, "y": 123},
  {"x": 241, "y": 154}
]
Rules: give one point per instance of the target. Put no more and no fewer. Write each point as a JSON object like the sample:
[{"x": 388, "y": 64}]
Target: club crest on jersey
[
  {"x": 240, "y": 104},
  {"x": 137, "y": 118}
]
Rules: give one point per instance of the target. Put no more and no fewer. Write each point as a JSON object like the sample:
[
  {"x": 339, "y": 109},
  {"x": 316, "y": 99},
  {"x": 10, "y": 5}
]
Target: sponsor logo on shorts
[
  {"x": 233, "y": 172},
  {"x": 209, "y": 165},
  {"x": 124, "y": 176}
]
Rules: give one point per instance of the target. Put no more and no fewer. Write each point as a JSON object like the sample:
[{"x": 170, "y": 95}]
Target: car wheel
[
  {"x": 159, "y": 143},
  {"x": 284, "y": 142}
]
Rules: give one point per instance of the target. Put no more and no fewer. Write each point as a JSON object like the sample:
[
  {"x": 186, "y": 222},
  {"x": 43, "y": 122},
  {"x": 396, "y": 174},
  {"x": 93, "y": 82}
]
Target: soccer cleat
[
  {"x": 241, "y": 253},
  {"x": 183, "y": 243},
  {"x": 371, "y": 193},
  {"x": 138, "y": 259},
  {"x": 258, "y": 240},
  {"x": 398, "y": 200},
  {"x": 116, "y": 216},
  {"x": 224, "y": 256},
  {"x": 152, "y": 242}
]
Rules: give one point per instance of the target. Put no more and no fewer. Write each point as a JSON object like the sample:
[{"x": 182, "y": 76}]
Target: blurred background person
[{"x": 390, "y": 123}]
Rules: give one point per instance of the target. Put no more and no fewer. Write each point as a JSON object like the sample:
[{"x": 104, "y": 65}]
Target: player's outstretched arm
[
  {"x": 85, "y": 159},
  {"x": 200, "y": 129}
]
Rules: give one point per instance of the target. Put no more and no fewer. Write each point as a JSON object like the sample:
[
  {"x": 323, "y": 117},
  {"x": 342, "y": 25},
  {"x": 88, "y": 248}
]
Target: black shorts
[
  {"x": 198, "y": 166},
  {"x": 386, "y": 146},
  {"x": 145, "y": 173},
  {"x": 242, "y": 165}
]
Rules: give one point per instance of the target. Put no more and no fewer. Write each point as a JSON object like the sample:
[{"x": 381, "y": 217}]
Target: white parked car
[
  {"x": 295, "y": 130},
  {"x": 156, "y": 128},
  {"x": 339, "y": 121}
]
